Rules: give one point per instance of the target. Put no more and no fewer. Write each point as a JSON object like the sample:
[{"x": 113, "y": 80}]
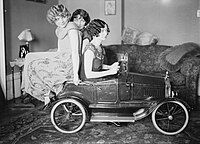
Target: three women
[{"x": 46, "y": 72}]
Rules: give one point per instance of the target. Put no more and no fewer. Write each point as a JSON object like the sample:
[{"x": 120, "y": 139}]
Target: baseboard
[{"x": 10, "y": 86}]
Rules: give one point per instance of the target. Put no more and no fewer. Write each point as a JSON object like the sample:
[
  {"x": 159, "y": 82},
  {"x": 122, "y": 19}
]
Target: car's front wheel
[
  {"x": 68, "y": 116},
  {"x": 170, "y": 117}
]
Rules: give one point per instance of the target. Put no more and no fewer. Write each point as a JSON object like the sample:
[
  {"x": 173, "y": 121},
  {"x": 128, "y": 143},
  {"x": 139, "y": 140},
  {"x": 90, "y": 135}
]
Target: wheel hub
[{"x": 170, "y": 117}]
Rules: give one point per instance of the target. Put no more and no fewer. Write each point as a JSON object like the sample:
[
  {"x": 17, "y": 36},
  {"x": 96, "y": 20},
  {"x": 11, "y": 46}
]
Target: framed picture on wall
[{"x": 110, "y": 7}]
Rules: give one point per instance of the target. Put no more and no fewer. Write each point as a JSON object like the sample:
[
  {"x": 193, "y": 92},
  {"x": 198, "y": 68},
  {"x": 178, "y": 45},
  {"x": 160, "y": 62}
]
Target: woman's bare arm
[
  {"x": 74, "y": 42},
  {"x": 88, "y": 62},
  {"x": 116, "y": 64},
  {"x": 85, "y": 42}
]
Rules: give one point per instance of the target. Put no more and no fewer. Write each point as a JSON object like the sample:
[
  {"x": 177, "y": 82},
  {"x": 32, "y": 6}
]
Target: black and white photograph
[{"x": 99, "y": 71}]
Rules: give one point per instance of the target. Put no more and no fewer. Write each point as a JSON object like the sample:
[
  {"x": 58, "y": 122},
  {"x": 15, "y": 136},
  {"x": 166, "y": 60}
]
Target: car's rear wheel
[
  {"x": 68, "y": 116},
  {"x": 170, "y": 117}
]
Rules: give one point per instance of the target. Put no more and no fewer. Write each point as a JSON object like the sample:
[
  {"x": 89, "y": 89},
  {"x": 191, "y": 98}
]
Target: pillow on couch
[
  {"x": 129, "y": 35},
  {"x": 146, "y": 38},
  {"x": 135, "y": 36}
]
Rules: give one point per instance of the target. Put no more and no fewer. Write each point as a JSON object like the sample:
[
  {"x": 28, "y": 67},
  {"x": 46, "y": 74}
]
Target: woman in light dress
[{"x": 45, "y": 72}]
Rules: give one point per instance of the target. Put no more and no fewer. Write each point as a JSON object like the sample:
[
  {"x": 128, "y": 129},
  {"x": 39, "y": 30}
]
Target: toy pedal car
[{"x": 127, "y": 97}]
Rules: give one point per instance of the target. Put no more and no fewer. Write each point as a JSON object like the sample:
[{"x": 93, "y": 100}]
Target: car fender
[
  {"x": 175, "y": 99},
  {"x": 77, "y": 96}
]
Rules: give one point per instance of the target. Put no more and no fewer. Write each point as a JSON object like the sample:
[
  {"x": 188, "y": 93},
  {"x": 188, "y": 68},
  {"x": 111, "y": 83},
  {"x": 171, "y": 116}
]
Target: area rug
[
  {"x": 13, "y": 128},
  {"x": 35, "y": 128}
]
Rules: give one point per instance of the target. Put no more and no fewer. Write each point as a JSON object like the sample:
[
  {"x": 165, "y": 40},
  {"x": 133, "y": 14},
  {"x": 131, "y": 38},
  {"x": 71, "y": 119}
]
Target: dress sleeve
[
  {"x": 62, "y": 32},
  {"x": 72, "y": 25},
  {"x": 89, "y": 47}
]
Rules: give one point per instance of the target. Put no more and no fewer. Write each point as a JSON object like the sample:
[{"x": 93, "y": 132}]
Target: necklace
[{"x": 99, "y": 49}]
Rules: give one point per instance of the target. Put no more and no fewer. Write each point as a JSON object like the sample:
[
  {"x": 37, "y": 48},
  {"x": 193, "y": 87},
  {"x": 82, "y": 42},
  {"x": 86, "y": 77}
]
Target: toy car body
[{"x": 127, "y": 97}]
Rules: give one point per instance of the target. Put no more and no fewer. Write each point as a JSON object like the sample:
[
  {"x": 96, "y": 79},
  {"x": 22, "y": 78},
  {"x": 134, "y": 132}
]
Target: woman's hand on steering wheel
[
  {"x": 114, "y": 69},
  {"x": 115, "y": 65}
]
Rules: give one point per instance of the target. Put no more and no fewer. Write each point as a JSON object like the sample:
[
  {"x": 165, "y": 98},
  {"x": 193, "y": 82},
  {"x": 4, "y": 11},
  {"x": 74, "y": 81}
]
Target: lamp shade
[{"x": 26, "y": 35}]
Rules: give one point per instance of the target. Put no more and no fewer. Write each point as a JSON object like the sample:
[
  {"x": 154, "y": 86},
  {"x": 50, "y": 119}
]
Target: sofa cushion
[
  {"x": 174, "y": 58},
  {"x": 146, "y": 38},
  {"x": 180, "y": 51},
  {"x": 129, "y": 35}
]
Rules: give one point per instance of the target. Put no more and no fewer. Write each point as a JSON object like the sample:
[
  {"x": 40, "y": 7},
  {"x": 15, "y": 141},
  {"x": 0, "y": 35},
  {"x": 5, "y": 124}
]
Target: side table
[{"x": 20, "y": 63}]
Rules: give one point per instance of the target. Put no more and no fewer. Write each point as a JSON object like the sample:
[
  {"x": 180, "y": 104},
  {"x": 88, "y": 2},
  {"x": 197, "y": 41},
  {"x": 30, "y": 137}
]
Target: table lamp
[{"x": 25, "y": 36}]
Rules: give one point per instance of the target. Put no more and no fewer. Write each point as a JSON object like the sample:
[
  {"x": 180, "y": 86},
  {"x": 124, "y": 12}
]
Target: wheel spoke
[
  {"x": 65, "y": 108},
  {"x": 168, "y": 107},
  {"x": 168, "y": 125},
  {"x": 179, "y": 111},
  {"x": 77, "y": 114},
  {"x": 175, "y": 124},
  {"x": 174, "y": 110},
  {"x": 163, "y": 124},
  {"x": 160, "y": 112},
  {"x": 61, "y": 121},
  {"x": 159, "y": 119}
]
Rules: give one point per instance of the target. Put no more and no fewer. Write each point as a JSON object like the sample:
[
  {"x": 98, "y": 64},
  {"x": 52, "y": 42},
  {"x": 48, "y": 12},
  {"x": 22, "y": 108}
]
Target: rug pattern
[{"x": 35, "y": 127}]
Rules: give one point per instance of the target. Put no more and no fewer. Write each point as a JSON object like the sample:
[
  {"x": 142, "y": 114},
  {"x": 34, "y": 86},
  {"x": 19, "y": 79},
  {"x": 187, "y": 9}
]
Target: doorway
[{"x": 2, "y": 54}]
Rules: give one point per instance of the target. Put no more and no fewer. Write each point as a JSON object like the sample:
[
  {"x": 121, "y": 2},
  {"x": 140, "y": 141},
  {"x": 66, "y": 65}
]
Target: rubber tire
[
  {"x": 77, "y": 103},
  {"x": 165, "y": 132}
]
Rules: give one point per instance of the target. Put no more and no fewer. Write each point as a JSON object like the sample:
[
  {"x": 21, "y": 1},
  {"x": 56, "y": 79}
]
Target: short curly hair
[
  {"x": 82, "y": 13},
  {"x": 94, "y": 27},
  {"x": 57, "y": 10}
]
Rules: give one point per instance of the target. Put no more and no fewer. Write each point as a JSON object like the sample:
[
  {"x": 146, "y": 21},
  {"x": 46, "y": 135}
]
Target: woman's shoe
[
  {"x": 46, "y": 100},
  {"x": 53, "y": 99}
]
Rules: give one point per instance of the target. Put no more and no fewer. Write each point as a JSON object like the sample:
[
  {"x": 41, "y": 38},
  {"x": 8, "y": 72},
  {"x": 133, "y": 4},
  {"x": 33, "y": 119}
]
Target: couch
[{"x": 183, "y": 66}]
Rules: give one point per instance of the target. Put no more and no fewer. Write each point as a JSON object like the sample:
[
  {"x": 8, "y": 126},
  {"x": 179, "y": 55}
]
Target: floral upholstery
[
  {"x": 146, "y": 59},
  {"x": 142, "y": 59}
]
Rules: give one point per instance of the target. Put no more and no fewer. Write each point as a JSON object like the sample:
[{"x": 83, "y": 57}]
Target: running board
[
  {"x": 111, "y": 119},
  {"x": 140, "y": 114}
]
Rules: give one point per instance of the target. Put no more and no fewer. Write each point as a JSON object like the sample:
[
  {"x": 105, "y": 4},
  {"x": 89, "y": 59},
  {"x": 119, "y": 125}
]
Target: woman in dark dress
[{"x": 93, "y": 54}]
